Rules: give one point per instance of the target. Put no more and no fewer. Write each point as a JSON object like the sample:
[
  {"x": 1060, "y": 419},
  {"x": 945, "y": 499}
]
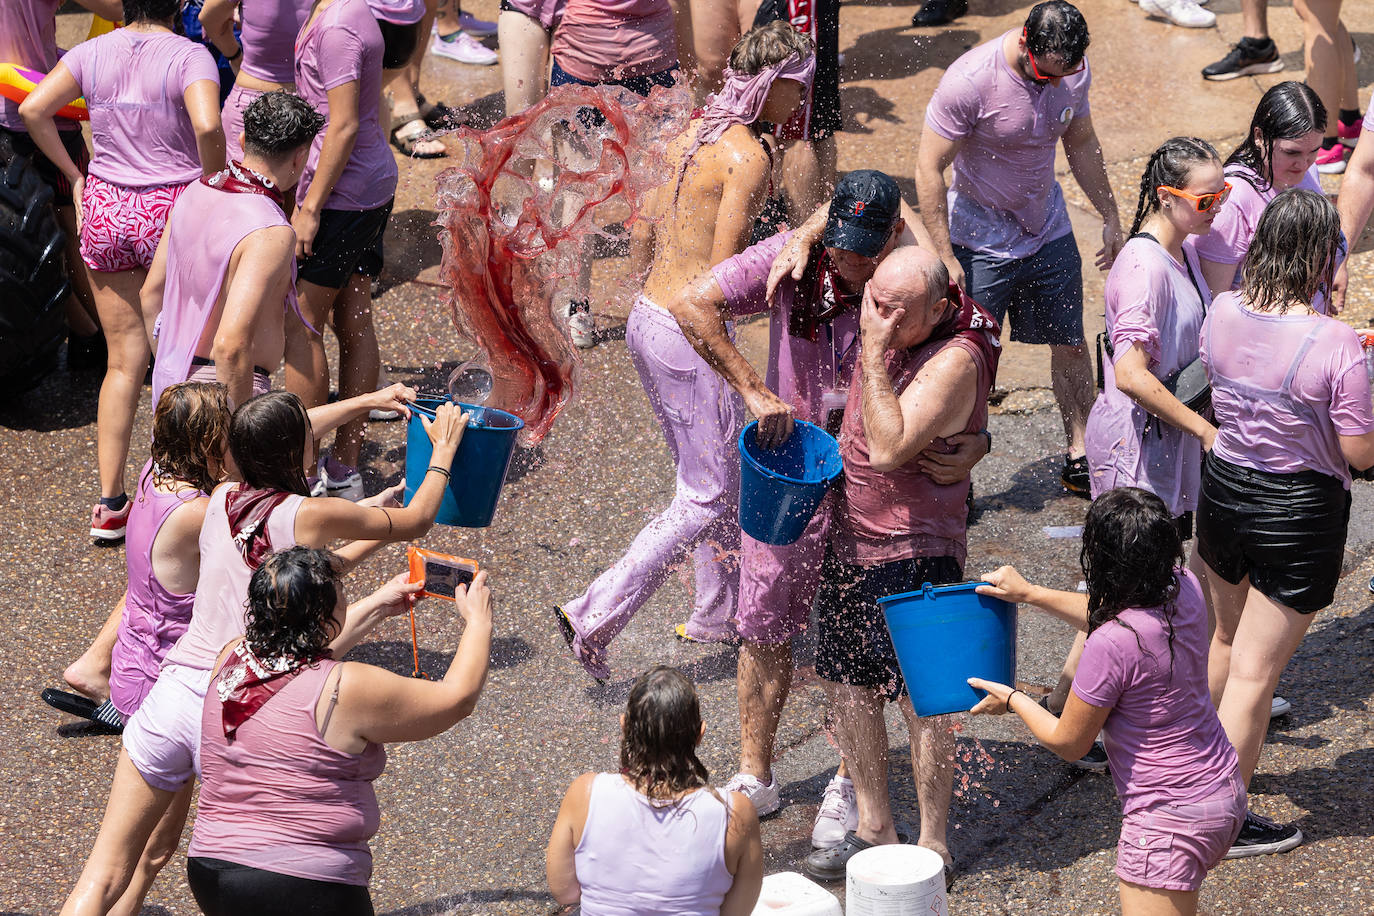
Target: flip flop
[
  {"x": 103, "y": 714},
  {"x": 439, "y": 116}
]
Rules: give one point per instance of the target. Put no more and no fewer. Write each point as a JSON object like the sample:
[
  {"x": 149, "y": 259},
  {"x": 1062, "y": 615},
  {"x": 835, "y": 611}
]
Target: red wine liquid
[{"x": 516, "y": 214}]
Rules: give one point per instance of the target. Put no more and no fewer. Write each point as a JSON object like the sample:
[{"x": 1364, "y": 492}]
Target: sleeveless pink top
[
  {"x": 637, "y": 856},
  {"x": 201, "y": 238},
  {"x": 269, "y": 37},
  {"x": 884, "y": 516},
  {"x": 278, "y": 797},
  {"x": 154, "y": 618},
  {"x": 222, "y": 593}
]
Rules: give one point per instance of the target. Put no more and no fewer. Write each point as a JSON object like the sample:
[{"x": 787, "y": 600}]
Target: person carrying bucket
[
  {"x": 1142, "y": 682},
  {"x": 819, "y": 272},
  {"x": 927, "y": 360}
]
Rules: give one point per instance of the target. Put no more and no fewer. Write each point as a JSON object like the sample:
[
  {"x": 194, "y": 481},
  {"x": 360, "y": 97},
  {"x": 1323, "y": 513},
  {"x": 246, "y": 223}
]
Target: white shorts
[{"x": 163, "y": 737}]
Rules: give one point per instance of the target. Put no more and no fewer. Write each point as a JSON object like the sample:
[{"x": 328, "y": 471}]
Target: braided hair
[{"x": 1170, "y": 165}]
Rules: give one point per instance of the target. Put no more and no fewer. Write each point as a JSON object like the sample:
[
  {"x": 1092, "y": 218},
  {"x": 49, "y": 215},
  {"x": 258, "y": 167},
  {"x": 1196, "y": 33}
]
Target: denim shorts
[
  {"x": 1172, "y": 847},
  {"x": 1043, "y": 292}
]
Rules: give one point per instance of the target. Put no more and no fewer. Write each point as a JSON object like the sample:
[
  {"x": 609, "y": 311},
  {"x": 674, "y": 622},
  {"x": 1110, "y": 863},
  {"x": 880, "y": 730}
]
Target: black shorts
[
  {"x": 398, "y": 43},
  {"x": 1285, "y": 531},
  {"x": 853, "y": 645},
  {"x": 23, "y": 145},
  {"x": 819, "y": 20},
  {"x": 228, "y": 889},
  {"x": 348, "y": 242}
]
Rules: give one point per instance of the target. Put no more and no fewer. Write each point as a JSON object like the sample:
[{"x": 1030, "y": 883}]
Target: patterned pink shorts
[{"x": 120, "y": 227}]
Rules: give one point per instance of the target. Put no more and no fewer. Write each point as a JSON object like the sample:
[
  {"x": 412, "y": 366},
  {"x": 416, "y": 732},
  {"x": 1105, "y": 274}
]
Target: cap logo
[{"x": 858, "y": 208}]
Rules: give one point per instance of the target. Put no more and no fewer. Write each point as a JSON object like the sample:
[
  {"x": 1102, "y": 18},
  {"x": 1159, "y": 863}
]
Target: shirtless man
[
  {"x": 698, "y": 218},
  {"x": 224, "y": 276}
]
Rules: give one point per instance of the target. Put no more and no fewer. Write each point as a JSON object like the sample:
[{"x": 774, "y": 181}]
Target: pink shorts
[
  {"x": 777, "y": 585},
  {"x": 232, "y": 117},
  {"x": 120, "y": 227},
  {"x": 163, "y": 738},
  {"x": 1172, "y": 847}
]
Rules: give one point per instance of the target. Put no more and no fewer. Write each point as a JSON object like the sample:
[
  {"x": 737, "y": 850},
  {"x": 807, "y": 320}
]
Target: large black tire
[{"x": 33, "y": 275}]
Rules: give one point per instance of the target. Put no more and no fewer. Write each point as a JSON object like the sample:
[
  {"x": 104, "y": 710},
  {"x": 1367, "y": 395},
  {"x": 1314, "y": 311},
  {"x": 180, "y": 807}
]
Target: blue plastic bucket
[
  {"x": 945, "y": 635},
  {"x": 779, "y": 489},
  {"x": 479, "y": 468}
]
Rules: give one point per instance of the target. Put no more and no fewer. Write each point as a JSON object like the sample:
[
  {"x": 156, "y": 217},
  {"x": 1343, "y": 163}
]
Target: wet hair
[
  {"x": 1172, "y": 164},
  {"x": 163, "y": 12},
  {"x": 1131, "y": 549},
  {"x": 267, "y": 439},
  {"x": 1287, "y": 111},
  {"x": 1294, "y": 251},
  {"x": 1057, "y": 29},
  {"x": 291, "y": 601},
  {"x": 279, "y": 123},
  {"x": 662, "y": 725},
  {"x": 190, "y": 427},
  {"x": 767, "y": 46}
]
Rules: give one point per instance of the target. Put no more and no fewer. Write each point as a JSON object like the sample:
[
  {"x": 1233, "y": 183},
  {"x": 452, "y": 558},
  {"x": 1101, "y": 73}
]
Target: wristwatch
[{"x": 989, "y": 435}]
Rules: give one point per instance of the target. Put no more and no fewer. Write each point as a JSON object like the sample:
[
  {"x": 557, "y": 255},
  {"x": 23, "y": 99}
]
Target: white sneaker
[
  {"x": 1180, "y": 12},
  {"x": 765, "y": 797},
  {"x": 839, "y": 814},
  {"x": 463, "y": 48},
  {"x": 350, "y": 487},
  {"x": 581, "y": 324},
  {"x": 1279, "y": 706}
]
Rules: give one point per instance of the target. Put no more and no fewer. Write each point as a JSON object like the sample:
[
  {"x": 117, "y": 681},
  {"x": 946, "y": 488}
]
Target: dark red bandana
[
  {"x": 973, "y": 323},
  {"x": 248, "y": 509},
  {"x": 239, "y": 179},
  {"x": 246, "y": 682}
]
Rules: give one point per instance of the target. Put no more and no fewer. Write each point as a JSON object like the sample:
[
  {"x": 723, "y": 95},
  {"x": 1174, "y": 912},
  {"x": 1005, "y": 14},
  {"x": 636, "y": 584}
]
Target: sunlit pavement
[{"x": 466, "y": 815}]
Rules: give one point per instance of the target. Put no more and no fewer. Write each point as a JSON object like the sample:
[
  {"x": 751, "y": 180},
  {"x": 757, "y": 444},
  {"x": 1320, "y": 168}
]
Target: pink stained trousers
[{"x": 701, "y": 417}]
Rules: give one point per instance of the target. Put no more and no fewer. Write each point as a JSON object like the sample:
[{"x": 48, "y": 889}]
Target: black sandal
[
  {"x": 102, "y": 714},
  {"x": 406, "y": 144}
]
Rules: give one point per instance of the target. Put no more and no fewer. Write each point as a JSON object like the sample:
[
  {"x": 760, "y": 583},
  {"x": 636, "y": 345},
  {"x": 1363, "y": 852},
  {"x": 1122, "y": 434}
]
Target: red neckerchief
[
  {"x": 248, "y": 508},
  {"x": 246, "y": 682},
  {"x": 973, "y": 323},
  {"x": 239, "y": 179}
]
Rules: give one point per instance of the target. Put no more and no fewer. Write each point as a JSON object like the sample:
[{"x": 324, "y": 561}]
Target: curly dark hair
[
  {"x": 1131, "y": 551},
  {"x": 190, "y": 430},
  {"x": 1287, "y": 111},
  {"x": 279, "y": 123},
  {"x": 1293, "y": 254},
  {"x": 658, "y": 750},
  {"x": 163, "y": 12},
  {"x": 291, "y": 601},
  {"x": 267, "y": 441},
  {"x": 1056, "y": 28},
  {"x": 1171, "y": 165}
]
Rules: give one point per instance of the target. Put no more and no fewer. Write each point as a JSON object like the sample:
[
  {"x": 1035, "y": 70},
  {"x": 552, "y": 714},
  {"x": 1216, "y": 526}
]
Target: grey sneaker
[{"x": 1260, "y": 836}]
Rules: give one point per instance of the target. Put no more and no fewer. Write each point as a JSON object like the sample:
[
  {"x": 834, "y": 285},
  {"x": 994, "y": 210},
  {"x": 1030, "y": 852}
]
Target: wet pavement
[{"x": 466, "y": 815}]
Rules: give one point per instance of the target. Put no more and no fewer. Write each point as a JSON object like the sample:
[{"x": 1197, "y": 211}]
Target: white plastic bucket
[
  {"x": 896, "y": 880},
  {"x": 790, "y": 894}
]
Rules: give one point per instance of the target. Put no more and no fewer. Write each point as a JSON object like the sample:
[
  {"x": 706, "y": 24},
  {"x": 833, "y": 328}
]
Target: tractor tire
[{"x": 34, "y": 283}]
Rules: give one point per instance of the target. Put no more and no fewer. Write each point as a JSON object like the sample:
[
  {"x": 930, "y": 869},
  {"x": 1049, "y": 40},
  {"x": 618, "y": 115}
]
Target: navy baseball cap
[{"x": 865, "y": 207}]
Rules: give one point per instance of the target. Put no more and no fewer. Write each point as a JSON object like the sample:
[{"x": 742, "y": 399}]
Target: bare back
[{"x": 722, "y": 192}]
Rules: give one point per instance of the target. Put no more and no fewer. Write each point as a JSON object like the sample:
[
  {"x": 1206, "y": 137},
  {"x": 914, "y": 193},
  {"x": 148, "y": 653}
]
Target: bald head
[{"x": 914, "y": 275}]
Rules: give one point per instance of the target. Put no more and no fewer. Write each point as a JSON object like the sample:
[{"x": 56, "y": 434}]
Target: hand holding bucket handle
[
  {"x": 445, "y": 432},
  {"x": 774, "y": 416},
  {"x": 1006, "y": 583}
]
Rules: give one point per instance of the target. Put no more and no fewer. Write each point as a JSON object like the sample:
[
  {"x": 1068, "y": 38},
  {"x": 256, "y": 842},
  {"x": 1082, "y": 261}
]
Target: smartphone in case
[{"x": 441, "y": 573}]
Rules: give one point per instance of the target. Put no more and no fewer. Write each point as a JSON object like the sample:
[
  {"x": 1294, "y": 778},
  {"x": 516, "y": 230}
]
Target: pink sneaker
[
  {"x": 107, "y": 524},
  {"x": 1349, "y": 133},
  {"x": 1331, "y": 161}
]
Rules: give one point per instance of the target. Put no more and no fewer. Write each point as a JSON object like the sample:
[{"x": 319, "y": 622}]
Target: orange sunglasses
[
  {"x": 1203, "y": 202},
  {"x": 1082, "y": 64}
]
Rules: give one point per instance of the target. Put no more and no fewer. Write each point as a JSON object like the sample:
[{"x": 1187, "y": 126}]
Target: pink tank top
[
  {"x": 269, "y": 37},
  {"x": 202, "y": 236},
  {"x": 222, "y": 593},
  {"x": 884, "y": 516},
  {"x": 281, "y": 799},
  {"x": 154, "y": 618},
  {"x": 600, "y": 40},
  {"x": 637, "y": 856}
]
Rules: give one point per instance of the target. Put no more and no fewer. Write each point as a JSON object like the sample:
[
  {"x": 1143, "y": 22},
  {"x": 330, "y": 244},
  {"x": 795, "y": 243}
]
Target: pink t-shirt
[
  {"x": 28, "y": 37},
  {"x": 1156, "y": 302},
  {"x": 1235, "y": 223},
  {"x": 1283, "y": 388},
  {"x": 398, "y": 12},
  {"x": 614, "y": 39},
  {"x": 268, "y": 36},
  {"x": 1164, "y": 741},
  {"x": 799, "y": 370},
  {"x": 342, "y": 45},
  {"x": 1004, "y": 201},
  {"x": 135, "y": 86}
]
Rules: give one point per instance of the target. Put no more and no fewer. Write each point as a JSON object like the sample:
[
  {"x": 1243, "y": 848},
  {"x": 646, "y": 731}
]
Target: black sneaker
[
  {"x": 1075, "y": 478},
  {"x": 1260, "y": 836},
  {"x": 1248, "y": 56},
  {"x": 1095, "y": 760}
]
